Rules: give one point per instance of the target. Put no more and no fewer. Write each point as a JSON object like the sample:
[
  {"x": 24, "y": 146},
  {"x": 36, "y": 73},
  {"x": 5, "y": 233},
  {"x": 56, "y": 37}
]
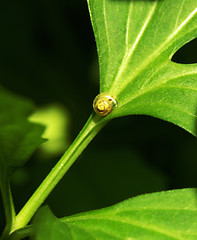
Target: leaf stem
[
  {"x": 8, "y": 203},
  {"x": 89, "y": 131},
  {"x": 7, "y": 198},
  {"x": 21, "y": 233}
]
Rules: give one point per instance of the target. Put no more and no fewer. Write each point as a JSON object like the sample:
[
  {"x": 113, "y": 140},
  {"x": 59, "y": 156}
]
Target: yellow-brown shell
[{"x": 104, "y": 103}]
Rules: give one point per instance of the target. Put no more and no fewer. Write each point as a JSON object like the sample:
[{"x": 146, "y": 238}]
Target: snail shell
[{"x": 104, "y": 103}]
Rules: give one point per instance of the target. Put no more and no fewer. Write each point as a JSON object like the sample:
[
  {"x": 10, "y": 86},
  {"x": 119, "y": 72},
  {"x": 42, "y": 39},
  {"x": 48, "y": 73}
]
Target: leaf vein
[
  {"x": 86, "y": 230},
  {"x": 73, "y": 218},
  {"x": 181, "y": 8},
  {"x": 131, "y": 50},
  {"x": 132, "y": 222},
  {"x": 105, "y": 20},
  {"x": 151, "y": 58},
  {"x": 151, "y": 88},
  {"x": 192, "y": 14},
  {"x": 168, "y": 105},
  {"x": 128, "y": 23}
]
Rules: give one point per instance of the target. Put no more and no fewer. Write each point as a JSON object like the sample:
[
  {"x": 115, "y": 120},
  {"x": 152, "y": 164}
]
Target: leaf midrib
[
  {"x": 157, "y": 86},
  {"x": 116, "y": 87},
  {"x": 130, "y": 50},
  {"x": 132, "y": 222},
  {"x": 98, "y": 215},
  {"x": 106, "y": 28},
  {"x": 86, "y": 231}
]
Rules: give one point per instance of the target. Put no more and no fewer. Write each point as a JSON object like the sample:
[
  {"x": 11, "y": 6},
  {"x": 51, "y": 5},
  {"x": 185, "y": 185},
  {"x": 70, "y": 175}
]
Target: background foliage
[{"x": 48, "y": 54}]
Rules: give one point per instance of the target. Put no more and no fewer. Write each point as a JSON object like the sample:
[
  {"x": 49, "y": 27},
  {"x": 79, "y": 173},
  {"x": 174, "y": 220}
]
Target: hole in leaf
[{"x": 187, "y": 54}]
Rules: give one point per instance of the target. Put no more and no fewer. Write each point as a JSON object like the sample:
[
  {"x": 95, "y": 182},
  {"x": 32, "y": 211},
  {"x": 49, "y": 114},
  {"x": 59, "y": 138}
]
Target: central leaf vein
[
  {"x": 118, "y": 86},
  {"x": 154, "y": 228},
  {"x": 105, "y": 20},
  {"x": 128, "y": 23},
  {"x": 162, "y": 84},
  {"x": 130, "y": 50}
]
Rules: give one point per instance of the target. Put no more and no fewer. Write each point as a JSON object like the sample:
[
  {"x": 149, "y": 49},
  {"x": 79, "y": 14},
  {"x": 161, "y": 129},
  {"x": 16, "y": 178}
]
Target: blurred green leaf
[
  {"x": 19, "y": 141},
  {"x": 163, "y": 215},
  {"x": 57, "y": 121},
  {"x": 13, "y": 108},
  {"x": 19, "y": 138},
  {"x": 136, "y": 41}
]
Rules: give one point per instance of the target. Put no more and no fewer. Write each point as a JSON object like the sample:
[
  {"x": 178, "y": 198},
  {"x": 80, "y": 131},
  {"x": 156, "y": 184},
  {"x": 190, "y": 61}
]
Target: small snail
[{"x": 104, "y": 103}]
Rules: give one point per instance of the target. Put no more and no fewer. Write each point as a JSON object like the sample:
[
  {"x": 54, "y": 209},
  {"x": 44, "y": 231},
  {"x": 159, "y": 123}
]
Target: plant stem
[
  {"x": 8, "y": 203},
  {"x": 21, "y": 233},
  {"x": 7, "y": 198},
  {"x": 89, "y": 131}
]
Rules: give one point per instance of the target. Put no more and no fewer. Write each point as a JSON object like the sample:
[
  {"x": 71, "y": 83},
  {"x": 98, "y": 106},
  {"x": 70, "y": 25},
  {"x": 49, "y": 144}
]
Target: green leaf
[
  {"x": 19, "y": 138},
  {"x": 47, "y": 226},
  {"x": 56, "y": 118},
  {"x": 19, "y": 141},
  {"x": 13, "y": 108},
  {"x": 163, "y": 215},
  {"x": 136, "y": 41}
]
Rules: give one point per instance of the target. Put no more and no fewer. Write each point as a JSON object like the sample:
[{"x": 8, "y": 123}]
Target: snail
[{"x": 104, "y": 103}]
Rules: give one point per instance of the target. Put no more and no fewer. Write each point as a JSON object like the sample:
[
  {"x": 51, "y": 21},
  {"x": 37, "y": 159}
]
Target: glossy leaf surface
[
  {"x": 136, "y": 41},
  {"x": 165, "y": 216}
]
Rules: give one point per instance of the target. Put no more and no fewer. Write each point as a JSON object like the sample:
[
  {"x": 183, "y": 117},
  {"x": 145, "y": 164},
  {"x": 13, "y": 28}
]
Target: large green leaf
[
  {"x": 164, "y": 215},
  {"x": 136, "y": 41}
]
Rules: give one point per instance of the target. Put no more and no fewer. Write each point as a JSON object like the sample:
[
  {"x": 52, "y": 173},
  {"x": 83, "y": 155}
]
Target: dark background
[{"x": 48, "y": 54}]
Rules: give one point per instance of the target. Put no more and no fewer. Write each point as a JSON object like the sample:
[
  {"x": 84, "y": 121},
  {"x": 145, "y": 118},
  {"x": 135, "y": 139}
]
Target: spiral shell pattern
[{"x": 104, "y": 103}]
